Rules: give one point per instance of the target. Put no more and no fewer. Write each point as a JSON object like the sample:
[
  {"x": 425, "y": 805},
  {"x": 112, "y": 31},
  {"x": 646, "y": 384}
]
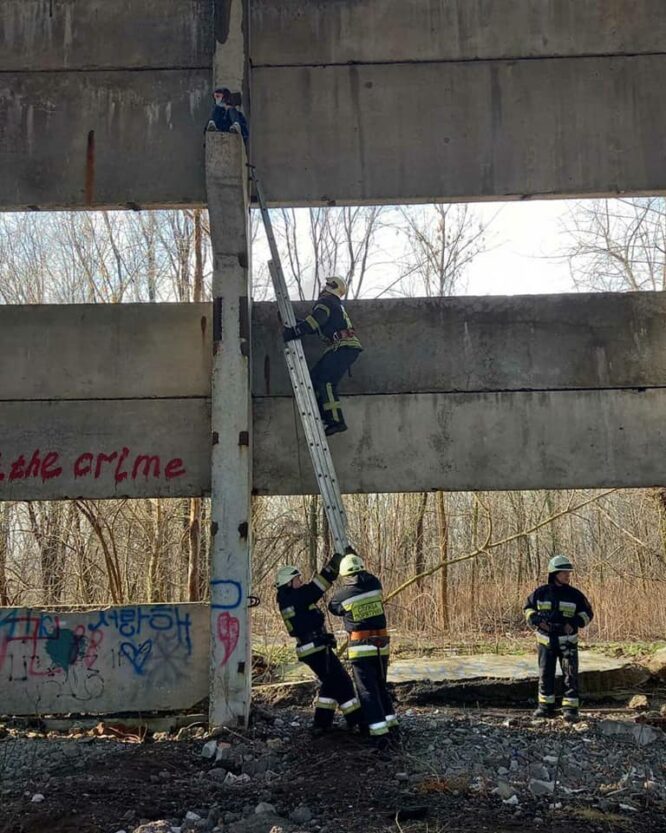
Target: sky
[
  {"x": 523, "y": 257},
  {"x": 524, "y": 241}
]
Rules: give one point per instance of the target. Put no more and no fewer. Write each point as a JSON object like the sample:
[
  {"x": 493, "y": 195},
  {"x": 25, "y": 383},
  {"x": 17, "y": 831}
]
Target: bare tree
[
  {"x": 327, "y": 241},
  {"x": 617, "y": 245},
  {"x": 441, "y": 241}
]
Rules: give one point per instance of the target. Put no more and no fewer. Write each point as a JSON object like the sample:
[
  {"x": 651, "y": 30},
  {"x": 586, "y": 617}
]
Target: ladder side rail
[
  {"x": 314, "y": 433},
  {"x": 309, "y": 410},
  {"x": 304, "y": 394}
]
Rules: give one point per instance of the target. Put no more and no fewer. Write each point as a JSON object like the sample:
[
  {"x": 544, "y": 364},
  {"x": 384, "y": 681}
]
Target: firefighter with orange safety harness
[
  {"x": 556, "y": 611},
  {"x": 330, "y": 321},
  {"x": 315, "y": 647},
  {"x": 360, "y": 602}
]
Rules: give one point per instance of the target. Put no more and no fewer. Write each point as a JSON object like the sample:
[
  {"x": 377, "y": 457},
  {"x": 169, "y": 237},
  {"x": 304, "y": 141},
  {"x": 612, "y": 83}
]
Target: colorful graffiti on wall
[{"x": 118, "y": 659}]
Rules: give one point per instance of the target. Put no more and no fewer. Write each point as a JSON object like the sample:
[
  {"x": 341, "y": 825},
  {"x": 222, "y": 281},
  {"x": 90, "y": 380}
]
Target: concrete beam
[
  {"x": 467, "y": 131},
  {"x": 103, "y": 139},
  {"x": 134, "y": 658},
  {"x": 58, "y": 450},
  {"x": 546, "y": 440},
  {"x": 396, "y": 443},
  {"x": 499, "y": 99},
  {"x": 302, "y": 32},
  {"x": 414, "y": 345},
  {"x": 52, "y": 35},
  {"x": 491, "y": 343},
  {"x": 105, "y": 351}
]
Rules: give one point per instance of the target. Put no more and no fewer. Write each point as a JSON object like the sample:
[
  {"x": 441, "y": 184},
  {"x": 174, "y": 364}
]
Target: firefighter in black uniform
[
  {"x": 556, "y": 611},
  {"x": 314, "y": 646},
  {"x": 361, "y": 603},
  {"x": 329, "y": 320}
]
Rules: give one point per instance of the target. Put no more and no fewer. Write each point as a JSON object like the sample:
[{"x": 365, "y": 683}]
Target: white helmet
[
  {"x": 336, "y": 286},
  {"x": 351, "y": 564},
  {"x": 560, "y": 563},
  {"x": 286, "y": 574}
]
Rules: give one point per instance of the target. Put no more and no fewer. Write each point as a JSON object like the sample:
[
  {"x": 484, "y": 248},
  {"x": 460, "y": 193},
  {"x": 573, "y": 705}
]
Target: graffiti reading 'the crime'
[{"x": 122, "y": 465}]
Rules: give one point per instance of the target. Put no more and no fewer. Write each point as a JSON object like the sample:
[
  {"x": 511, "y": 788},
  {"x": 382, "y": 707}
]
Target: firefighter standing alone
[
  {"x": 360, "y": 602},
  {"x": 556, "y": 611},
  {"x": 315, "y": 647},
  {"x": 330, "y": 321}
]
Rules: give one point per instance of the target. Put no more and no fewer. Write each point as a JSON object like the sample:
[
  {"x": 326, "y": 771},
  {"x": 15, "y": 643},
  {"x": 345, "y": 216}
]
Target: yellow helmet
[
  {"x": 351, "y": 564},
  {"x": 286, "y": 574},
  {"x": 336, "y": 286}
]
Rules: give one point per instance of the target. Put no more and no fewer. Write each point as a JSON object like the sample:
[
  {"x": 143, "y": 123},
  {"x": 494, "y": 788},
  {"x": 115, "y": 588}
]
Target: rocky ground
[{"x": 456, "y": 770}]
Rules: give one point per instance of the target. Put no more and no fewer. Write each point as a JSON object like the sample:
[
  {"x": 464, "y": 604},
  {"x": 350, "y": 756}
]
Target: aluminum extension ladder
[{"x": 320, "y": 454}]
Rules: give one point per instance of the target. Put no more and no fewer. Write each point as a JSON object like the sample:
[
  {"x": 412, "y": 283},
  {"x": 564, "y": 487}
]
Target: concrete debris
[
  {"x": 301, "y": 815},
  {"x": 190, "y": 816},
  {"x": 209, "y": 749},
  {"x": 539, "y": 772},
  {"x": 264, "y": 807},
  {"x": 640, "y": 733},
  {"x": 639, "y": 702},
  {"x": 231, "y": 779},
  {"x": 37, "y": 798},
  {"x": 161, "y": 826},
  {"x": 504, "y": 790},
  {"x": 512, "y": 801},
  {"x": 656, "y": 664},
  {"x": 540, "y": 788}
]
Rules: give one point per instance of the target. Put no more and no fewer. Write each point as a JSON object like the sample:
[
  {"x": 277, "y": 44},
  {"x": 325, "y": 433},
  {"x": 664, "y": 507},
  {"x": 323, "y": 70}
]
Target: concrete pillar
[{"x": 231, "y": 426}]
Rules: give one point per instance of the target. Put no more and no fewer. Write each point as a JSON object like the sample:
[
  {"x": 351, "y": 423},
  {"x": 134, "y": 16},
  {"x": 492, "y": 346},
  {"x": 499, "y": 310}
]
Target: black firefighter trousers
[
  {"x": 370, "y": 677},
  {"x": 567, "y": 654},
  {"x": 336, "y": 689},
  {"x": 326, "y": 375}
]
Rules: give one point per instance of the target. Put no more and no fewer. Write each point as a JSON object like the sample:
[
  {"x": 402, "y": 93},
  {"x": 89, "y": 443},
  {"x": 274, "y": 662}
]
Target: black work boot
[
  {"x": 380, "y": 743},
  {"x": 335, "y": 428},
  {"x": 395, "y": 739},
  {"x": 545, "y": 711},
  {"x": 319, "y": 731},
  {"x": 570, "y": 716}
]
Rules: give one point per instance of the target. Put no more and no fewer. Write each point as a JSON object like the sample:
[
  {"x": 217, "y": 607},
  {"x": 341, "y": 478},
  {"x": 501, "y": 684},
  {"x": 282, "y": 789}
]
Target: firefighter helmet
[
  {"x": 336, "y": 286},
  {"x": 351, "y": 564},
  {"x": 286, "y": 574},
  {"x": 560, "y": 563}
]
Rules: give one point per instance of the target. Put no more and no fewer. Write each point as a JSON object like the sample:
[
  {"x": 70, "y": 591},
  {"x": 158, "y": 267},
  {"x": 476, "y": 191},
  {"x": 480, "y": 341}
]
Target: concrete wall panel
[
  {"x": 553, "y": 440},
  {"x": 469, "y": 130},
  {"x": 400, "y": 101},
  {"x": 137, "y": 658},
  {"x": 105, "y": 351},
  {"x": 531, "y": 440},
  {"x": 151, "y": 448},
  {"x": 413, "y": 345},
  {"x": 98, "y": 34},
  {"x": 301, "y": 32},
  {"x": 491, "y": 343},
  {"x": 147, "y": 147}
]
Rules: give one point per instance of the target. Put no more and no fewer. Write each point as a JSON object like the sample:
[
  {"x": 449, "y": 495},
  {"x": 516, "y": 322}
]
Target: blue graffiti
[
  {"x": 133, "y": 622},
  {"x": 137, "y": 654},
  {"x": 226, "y": 594}
]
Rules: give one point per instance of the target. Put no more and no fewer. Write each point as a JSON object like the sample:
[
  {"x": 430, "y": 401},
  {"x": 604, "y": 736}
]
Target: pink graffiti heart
[{"x": 228, "y": 629}]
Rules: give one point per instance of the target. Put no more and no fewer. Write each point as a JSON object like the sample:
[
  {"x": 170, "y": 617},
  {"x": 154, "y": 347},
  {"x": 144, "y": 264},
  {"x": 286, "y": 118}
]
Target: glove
[
  {"x": 335, "y": 561},
  {"x": 568, "y": 629},
  {"x": 331, "y": 641},
  {"x": 290, "y": 334}
]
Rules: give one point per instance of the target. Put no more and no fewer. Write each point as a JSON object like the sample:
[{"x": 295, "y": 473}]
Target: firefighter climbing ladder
[{"x": 306, "y": 401}]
